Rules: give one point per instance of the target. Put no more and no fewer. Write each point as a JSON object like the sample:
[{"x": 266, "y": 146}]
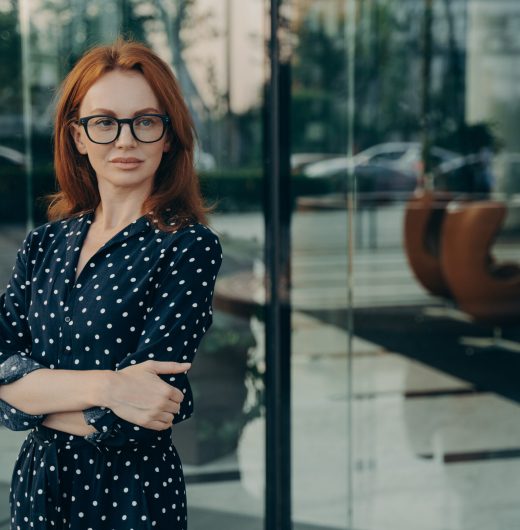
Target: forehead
[{"x": 122, "y": 92}]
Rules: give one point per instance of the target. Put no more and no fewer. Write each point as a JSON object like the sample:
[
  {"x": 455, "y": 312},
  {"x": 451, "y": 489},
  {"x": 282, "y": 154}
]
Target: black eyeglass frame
[{"x": 120, "y": 121}]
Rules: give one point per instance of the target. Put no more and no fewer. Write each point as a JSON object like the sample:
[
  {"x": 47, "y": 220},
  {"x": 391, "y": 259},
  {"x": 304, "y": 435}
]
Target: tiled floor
[{"x": 428, "y": 453}]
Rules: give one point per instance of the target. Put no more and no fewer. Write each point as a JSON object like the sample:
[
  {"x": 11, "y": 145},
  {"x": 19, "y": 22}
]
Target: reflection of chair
[
  {"x": 488, "y": 291},
  {"x": 423, "y": 221}
]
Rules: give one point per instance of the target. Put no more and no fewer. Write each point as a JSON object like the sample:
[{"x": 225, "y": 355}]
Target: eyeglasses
[{"x": 146, "y": 128}]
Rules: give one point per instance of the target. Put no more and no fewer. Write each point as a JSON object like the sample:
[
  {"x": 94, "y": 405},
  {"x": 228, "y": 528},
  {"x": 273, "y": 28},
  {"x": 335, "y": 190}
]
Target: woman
[{"x": 107, "y": 305}]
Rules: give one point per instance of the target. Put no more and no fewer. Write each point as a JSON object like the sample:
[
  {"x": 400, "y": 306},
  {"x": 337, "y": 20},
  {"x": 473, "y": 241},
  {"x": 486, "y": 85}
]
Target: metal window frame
[{"x": 277, "y": 215}]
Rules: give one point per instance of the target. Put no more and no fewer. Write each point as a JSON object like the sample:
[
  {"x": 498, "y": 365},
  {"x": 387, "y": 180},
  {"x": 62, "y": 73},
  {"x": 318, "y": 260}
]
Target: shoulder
[
  {"x": 44, "y": 233},
  {"x": 195, "y": 247},
  {"x": 192, "y": 237}
]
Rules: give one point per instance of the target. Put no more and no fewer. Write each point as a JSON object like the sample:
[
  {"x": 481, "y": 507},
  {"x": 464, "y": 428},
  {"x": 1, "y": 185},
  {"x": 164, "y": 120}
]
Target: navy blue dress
[{"x": 146, "y": 294}]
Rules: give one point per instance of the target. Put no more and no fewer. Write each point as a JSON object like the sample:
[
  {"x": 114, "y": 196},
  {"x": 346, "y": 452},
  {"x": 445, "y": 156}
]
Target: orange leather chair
[
  {"x": 423, "y": 220},
  {"x": 486, "y": 290}
]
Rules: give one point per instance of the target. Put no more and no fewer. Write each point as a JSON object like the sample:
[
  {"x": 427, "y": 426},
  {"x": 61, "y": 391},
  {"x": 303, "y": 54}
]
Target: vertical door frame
[{"x": 277, "y": 214}]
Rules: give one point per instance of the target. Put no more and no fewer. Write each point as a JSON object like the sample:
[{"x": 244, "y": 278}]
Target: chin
[{"x": 124, "y": 177}]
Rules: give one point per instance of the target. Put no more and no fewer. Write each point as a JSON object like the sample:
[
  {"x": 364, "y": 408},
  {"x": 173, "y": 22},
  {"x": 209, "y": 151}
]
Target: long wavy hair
[{"x": 176, "y": 198}]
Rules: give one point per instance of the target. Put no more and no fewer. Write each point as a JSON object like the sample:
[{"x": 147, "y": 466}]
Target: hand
[{"x": 137, "y": 394}]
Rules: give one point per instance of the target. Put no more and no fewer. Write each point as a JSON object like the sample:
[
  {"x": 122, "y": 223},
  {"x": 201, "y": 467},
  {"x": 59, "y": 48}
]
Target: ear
[{"x": 77, "y": 135}]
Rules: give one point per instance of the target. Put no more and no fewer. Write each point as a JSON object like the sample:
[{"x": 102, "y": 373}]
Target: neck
[{"x": 116, "y": 210}]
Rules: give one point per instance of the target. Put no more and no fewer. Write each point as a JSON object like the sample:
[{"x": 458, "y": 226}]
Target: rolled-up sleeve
[{"x": 178, "y": 315}]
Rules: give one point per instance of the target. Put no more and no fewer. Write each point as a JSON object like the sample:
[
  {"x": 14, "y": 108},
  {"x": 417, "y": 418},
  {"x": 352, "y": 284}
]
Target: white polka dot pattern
[{"x": 146, "y": 294}]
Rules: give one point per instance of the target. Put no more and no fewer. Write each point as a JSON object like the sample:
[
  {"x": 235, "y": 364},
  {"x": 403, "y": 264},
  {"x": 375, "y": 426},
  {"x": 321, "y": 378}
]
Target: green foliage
[
  {"x": 472, "y": 138},
  {"x": 10, "y": 67},
  {"x": 318, "y": 122},
  {"x": 318, "y": 113},
  {"x": 13, "y": 189},
  {"x": 319, "y": 59}
]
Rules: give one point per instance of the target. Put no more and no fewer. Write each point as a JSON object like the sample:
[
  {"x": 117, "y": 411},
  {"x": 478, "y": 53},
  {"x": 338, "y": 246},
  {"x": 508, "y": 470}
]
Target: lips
[
  {"x": 121, "y": 160},
  {"x": 126, "y": 163}
]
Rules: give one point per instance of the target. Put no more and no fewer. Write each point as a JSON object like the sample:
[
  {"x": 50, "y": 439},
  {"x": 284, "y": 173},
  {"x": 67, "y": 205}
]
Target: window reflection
[
  {"x": 216, "y": 49},
  {"x": 434, "y": 255},
  {"x": 434, "y": 259}
]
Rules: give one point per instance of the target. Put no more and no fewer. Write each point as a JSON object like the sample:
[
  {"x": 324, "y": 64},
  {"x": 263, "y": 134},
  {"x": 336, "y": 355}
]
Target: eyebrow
[{"x": 109, "y": 112}]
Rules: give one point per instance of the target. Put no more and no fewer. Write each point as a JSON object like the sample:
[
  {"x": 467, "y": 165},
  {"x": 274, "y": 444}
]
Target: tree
[{"x": 10, "y": 76}]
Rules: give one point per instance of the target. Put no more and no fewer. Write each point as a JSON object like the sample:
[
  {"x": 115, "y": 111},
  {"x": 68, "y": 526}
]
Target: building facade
[{"x": 363, "y": 155}]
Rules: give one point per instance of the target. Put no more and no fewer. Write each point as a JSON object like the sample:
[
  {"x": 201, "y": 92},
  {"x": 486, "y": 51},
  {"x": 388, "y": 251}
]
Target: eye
[
  {"x": 146, "y": 122},
  {"x": 104, "y": 122}
]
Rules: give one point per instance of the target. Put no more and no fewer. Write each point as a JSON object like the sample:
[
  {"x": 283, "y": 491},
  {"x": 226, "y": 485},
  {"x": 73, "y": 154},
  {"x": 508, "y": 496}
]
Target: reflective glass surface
[
  {"x": 405, "y": 228},
  {"x": 216, "y": 50},
  {"x": 420, "y": 224}
]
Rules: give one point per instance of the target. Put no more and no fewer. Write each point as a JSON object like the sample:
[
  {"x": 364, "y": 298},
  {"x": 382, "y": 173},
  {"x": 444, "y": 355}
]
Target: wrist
[
  {"x": 102, "y": 381},
  {"x": 69, "y": 422}
]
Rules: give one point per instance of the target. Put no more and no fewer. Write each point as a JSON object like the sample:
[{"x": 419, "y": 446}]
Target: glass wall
[
  {"x": 12, "y": 198},
  {"x": 404, "y": 255},
  {"x": 216, "y": 50},
  {"x": 423, "y": 222},
  {"x": 319, "y": 237}
]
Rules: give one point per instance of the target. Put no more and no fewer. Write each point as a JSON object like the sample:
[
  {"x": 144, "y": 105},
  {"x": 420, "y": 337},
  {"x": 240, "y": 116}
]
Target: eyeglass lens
[{"x": 146, "y": 128}]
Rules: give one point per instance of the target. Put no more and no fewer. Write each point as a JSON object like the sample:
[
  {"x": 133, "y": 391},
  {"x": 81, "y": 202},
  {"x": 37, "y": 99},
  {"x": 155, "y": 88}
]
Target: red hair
[{"x": 176, "y": 192}]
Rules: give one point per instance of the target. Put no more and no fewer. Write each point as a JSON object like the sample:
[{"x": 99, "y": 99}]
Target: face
[{"x": 125, "y": 164}]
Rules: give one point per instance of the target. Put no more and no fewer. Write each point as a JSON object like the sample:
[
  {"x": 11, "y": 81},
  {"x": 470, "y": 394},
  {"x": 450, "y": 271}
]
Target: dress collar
[
  {"x": 78, "y": 230},
  {"x": 141, "y": 224}
]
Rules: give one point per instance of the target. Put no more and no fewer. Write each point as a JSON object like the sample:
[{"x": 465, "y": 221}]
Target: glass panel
[
  {"x": 217, "y": 53},
  {"x": 12, "y": 146},
  {"x": 13, "y": 204},
  {"x": 222, "y": 64},
  {"x": 436, "y": 266},
  {"x": 319, "y": 265}
]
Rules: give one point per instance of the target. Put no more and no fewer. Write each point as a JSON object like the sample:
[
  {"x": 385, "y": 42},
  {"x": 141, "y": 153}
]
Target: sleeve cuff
[
  {"x": 103, "y": 420},
  {"x": 17, "y": 420},
  {"x": 16, "y": 367},
  {"x": 13, "y": 368}
]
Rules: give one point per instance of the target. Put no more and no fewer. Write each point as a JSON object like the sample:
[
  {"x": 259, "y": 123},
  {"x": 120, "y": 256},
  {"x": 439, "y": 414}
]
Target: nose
[{"x": 125, "y": 138}]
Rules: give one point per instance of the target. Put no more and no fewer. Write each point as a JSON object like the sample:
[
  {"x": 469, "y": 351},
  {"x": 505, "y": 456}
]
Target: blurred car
[
  {"x": 10, "y": 157},
  {"x": 301, "y": 160},
  {"x": 386, "y": 171}
]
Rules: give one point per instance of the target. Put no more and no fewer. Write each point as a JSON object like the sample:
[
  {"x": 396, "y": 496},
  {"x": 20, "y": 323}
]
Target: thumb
[{"x": 170, "y": 367}]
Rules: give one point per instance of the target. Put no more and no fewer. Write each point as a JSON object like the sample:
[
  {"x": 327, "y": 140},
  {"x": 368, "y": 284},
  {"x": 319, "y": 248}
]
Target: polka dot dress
[{"x": 146, "y": 294}]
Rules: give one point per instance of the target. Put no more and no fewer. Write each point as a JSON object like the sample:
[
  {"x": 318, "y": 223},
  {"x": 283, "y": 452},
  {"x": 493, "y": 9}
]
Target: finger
[
  {"x": 170, "y": 367},
  {"x": 167, "y": 406},
  {"x": 159, "y": 426},
  {"x": 176, "y": 395},
  {"x": 174, "y": 407},
  {"x": 169, "y": 392},
  {"x": 170, "y": 406},
  {"x": 165, "y": 417}
]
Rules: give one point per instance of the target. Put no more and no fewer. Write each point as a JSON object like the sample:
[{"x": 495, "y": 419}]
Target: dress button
[{"x": 67, "y": 319}]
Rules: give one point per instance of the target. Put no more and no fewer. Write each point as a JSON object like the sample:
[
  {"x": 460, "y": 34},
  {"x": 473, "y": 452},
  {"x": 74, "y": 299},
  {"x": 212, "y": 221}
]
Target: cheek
[
  {"x": 96, "y": 155},
  {"x": 95, "y": 150},
  {"x": 156, "y": 154}
]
